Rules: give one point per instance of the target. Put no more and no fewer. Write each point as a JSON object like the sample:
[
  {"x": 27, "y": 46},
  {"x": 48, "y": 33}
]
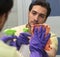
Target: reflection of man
[
  {"x": 5, "y": 50},
  {"x": 5, "y": 7},
  {"x": 38, "y": 13}
]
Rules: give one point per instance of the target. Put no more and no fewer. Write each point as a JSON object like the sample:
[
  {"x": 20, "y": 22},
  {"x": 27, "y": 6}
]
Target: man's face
[{"x": 37, "y": 15}]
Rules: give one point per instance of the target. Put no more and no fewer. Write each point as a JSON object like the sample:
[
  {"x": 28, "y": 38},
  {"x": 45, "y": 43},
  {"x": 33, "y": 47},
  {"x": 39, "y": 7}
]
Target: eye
[
  {"x": 34, "y": 12},
  {"x": 42, "y": 16}
]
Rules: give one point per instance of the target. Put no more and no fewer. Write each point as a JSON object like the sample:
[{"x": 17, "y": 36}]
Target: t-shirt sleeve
[{"x": 54, "y": 41}]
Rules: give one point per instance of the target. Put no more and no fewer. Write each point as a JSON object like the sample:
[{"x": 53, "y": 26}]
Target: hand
[
  {"x": 9, "y": 40},
  {"x": 22, "y": 39},
  {"x": 39, "y": 39},
  {"x": 38, "y": 42}
]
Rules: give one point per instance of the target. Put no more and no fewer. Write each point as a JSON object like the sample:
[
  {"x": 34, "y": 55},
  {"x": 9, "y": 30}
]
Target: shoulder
[
  {"x": 19, "y": 29},
  {"x": 53, "y": 36},
  {"x": 54, "y": 40},
  {"x": 8, "y": 51}
]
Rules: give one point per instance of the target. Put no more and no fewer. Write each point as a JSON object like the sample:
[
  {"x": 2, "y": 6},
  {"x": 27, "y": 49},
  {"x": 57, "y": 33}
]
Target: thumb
[
  {"x": 48, "y": 37},
  {"x": 25, "y": 34}
]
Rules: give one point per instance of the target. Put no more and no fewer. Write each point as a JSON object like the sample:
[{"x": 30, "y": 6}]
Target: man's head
[
  {"x": 38, "y": 12},
  {"x": 5, "y": 7}
]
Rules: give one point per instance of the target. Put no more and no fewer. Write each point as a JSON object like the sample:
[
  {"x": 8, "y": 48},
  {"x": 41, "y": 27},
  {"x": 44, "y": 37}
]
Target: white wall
[
  {"x": 54, "y": 22},
  {"x": 23, "y": 6}
]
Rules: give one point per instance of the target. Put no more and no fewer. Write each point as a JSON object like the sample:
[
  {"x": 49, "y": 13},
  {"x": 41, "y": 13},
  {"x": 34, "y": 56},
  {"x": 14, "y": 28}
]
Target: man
[
  {"x": 5, "y": 8},
  {"x": 38, "y": 13}
]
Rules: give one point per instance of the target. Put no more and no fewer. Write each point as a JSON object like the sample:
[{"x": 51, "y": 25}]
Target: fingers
[
  {"x": 47, "y": 37},
  {"x": 7, "y": 37},
  {"x": 42, "y": 32},
  {"x": 42, "y": 29},
  {"x": 35, "y": 31},
  {"x": 25, "y": 34}
]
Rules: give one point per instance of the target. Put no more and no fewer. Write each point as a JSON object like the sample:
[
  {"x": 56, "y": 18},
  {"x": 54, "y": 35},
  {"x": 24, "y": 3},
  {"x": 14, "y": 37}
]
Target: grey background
[{"x": 55, "y": 6}]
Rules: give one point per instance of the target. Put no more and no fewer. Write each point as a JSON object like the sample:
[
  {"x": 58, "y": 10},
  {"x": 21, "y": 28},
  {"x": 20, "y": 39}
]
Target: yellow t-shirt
[
  {"x": 53, "y": 38},
  {"x": 25, "y": 49}
]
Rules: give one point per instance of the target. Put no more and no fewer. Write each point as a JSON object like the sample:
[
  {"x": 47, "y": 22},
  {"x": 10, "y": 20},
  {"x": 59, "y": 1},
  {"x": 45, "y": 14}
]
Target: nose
[
  {"x": 36, "y": 18},
  {"x": 36, "y": 21}
]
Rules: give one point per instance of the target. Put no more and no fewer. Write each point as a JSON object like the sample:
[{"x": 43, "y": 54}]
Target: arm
[
  {"x": 22, "y": 39},
  {"x": 8, "y": 51},
  {"x": 38, "y": 43},
  {"x": 52, "y": 52},
  {"x": 10, "y": 37},
  {"x": 40, "y": 53},
  {"x": 54, "y": 46}
]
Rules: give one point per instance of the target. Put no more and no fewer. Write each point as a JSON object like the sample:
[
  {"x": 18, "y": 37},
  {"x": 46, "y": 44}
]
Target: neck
[{"x": 29, "y": 27}]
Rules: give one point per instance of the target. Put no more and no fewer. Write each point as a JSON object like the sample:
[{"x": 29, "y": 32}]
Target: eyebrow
[{"x": 39, "y": 13}]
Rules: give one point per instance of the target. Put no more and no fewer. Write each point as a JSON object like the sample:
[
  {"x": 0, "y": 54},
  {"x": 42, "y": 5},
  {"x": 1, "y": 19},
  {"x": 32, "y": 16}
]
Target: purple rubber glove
[
  {"x": 22, "y": 39},
  {"x": 38, "y": 42},
  {"x": 9, "y": 40}
]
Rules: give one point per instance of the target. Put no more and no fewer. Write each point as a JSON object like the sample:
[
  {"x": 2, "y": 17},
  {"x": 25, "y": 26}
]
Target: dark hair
[
  {"x": 43, "y": 4},
  {"x": 5, "y": 6}
]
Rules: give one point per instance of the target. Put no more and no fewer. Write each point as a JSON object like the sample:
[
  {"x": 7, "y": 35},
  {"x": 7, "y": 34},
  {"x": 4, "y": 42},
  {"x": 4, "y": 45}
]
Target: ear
[
  {"x": 2, "y": 20},
  {"x": 45, "y": 20},
  {"x": 28, "y": 12}
]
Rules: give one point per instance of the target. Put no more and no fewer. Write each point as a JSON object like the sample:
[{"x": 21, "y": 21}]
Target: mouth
[{"x": 35, "y": 23}]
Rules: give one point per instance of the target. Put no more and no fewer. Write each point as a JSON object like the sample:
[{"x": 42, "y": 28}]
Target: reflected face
[{"x": 37, "y": 15}]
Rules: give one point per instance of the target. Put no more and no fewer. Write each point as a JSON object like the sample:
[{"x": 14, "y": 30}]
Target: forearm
[
  {"x": 52, "y": 52},
  {"x": 38, "y": 53},
  {"x": 19, "y": 54},
  {"x": 35, "y": 54}
]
